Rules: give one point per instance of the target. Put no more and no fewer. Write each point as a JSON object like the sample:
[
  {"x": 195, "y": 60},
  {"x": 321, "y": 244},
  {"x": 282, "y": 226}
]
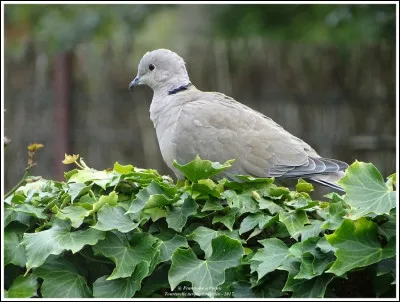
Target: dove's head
[{"x": 161, "y": 69}]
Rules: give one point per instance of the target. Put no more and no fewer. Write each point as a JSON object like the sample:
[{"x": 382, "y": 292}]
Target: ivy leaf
[
  {"x": 303, "y": 288},
  {"x": 204, "y": 237},
  {"x": 301, "y": 203},
  {"x": 24, "y": 287},
  {"x": 271, "y": 288},
  {"x": 388, "y": 229},
  {"x": 325, "y": 246},
  {"x": 366, "y": 191},
  {"x": 357, "y": 246},
  {"x": 56, "y": 271},
  {"x": 313, "y": 261},
  {"x": 122, "y": 287},
  {"x": 76, "y": 189},
  {"x": 227, "y": 219},
  {"x": 205, "y": 275},
  {"x": 335, "y": 215},
  {"x": 206, "y": 188},
  {"x": 294, "y": 222},
  {"x": 152, "y": 196},
  {"x": 126, "y": 254},
  {"x": 111, "y": 199},
  {"x": 167, "y": 248},
  {"x": 31, "y": 210},
  {"x": 101, "y": 178},
  {"x": 270, "y": 257},
  {"x": 243, "y": 201},
  {"x": 212, "y": 205},
  {"x": 114, "y": 218},
  {"x": 277, "y": 193},
  {"x": 74, "y": 213},
  {"x": 201, "y": 169},
  {"x": 155, "y": 213},
  {"x": 271, "y": 206},
  {"x": 178, "y": 216},
  {"x": 56, "y": 240},
  {"x": 303, "y": 186},
  {"x": 123, "y": 169},
  {"x": 311, "y": 230},
  {"x": 253, "y": 220},
  {"x": 10, "y": 215},
  {"x": 14, "y": 251}
]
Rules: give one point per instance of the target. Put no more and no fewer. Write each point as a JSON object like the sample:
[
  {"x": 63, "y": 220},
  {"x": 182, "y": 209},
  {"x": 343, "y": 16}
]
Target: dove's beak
[{"x": 134, "y": 83}]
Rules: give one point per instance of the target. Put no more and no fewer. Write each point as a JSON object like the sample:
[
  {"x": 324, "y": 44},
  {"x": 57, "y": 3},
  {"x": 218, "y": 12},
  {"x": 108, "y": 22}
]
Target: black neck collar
[{"x": 180, "y": 88}]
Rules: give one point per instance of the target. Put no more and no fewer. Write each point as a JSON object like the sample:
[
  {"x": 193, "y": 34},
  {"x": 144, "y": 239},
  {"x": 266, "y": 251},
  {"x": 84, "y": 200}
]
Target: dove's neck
[{"x": 170, "y": 84}]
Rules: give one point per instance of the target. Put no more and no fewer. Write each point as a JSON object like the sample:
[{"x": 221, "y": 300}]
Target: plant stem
[{"x": 20, "y": 183}]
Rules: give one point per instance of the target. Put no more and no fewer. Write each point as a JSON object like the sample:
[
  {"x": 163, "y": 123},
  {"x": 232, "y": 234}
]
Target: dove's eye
[{"x": 151, "y": 67}]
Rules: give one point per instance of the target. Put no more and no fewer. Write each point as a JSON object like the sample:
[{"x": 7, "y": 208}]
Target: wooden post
[{"x": 62, "y": 80}]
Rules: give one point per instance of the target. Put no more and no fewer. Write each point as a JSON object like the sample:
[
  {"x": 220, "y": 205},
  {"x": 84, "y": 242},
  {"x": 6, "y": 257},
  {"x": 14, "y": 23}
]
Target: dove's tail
[{"x": 328, "y": 184}]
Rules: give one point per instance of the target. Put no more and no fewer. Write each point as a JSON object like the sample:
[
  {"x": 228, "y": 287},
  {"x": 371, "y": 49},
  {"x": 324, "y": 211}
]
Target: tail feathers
[{"x": 328, "y": 184}]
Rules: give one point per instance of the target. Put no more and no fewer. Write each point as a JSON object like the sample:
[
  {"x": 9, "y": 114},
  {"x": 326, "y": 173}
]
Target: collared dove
[{"x": 191, "y": 122}]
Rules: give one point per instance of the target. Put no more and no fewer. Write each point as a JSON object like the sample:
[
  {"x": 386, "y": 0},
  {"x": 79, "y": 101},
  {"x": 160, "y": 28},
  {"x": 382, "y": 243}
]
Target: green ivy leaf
[
  {"x": 205, "y": 188},
  {"x": 201, "y": 169},
  {"x": 24, "y": 287},
  {"x": 242, "y": 201},
  {"x": 366, "y": 191},
  {"x": 111, "y": 199},
  {"x": 253, "y": 220},
  {"x": 301, "y": 203},
  {"x": 271, "y": 206},
  {"x": 123, "y": 169},
  {"x": 303, "y": 186},
  {"x": 126, "y": 254},
  {"x": 277, "y": 193},
  {"x": 335, "y": 215},
  {"x": 76, "y": 189},
  {"x": 74, "y": 213},
  {"x": 153, "y": 196},
  {"x": 313, "y": 261},
  {"x": 56, "y": 240},
  {"x": 122, "y": 287},
  {"x": 101, "y": 178},
  {"x": 31, "y": 210},
  {"x": 227, "y": 219},
  {"x": 155, "y": 213},
  {"x": 14, "y": 251},
  {"x": 388, "y": 229},
  {"x": 114, "y": 218},
  {"x": 303, "y": 288},
  {"x": 294, "y": 222},
  {"x": 167, "y": 248},
  {"x": 205, "y": 275},
  {"x": 204, "y": 237},
  {"x": 178, "y": 216},
  {"x": 212, "y": 205},
  {"x": 271, "y": 288},
  {"x": 311, "y": 230},
  {"x": 56, "y": 271},
  {"x": 270, "y": 257},
  {"x": 357, "y": 246}
]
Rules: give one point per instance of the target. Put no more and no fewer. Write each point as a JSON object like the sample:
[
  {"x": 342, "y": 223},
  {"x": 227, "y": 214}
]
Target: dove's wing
[{"x": 218, "y": 128}]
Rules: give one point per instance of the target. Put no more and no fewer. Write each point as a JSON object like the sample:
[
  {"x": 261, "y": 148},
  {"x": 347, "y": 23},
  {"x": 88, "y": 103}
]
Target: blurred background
[{"x": 326, "y": 73}]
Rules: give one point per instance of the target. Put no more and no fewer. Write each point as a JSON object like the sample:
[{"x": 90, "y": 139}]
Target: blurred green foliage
[
  {"x": 317, "y": 23},
  {"x": 61, "y": 27}
]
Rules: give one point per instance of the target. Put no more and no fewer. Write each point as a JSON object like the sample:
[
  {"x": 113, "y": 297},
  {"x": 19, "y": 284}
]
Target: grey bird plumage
[{"x": 191, "y": 122}]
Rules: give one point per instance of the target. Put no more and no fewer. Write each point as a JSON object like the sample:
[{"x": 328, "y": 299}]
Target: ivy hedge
[{"x": 130, "y": 232}]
